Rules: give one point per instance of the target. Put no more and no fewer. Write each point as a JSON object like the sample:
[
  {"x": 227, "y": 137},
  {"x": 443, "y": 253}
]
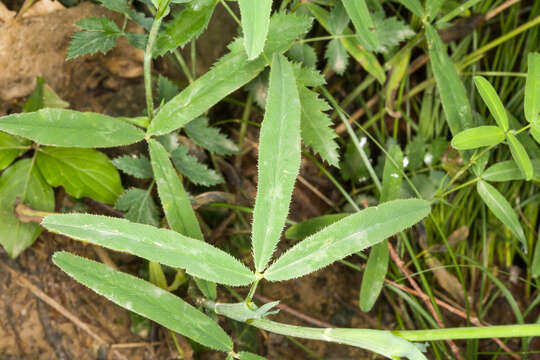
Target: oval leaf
[
  {"x": 345, "y": 237},
  {"x": 82, "y": 172},
  {"x": 535, "y": 131},
  {"x": 68, "y": 128},
  {"x": 279, "y": 161},
  {"x": 531, "y": 102},
  {"x": 145, "y": 299},
  {"x": 501, "y": 209},
  {"x": 509, "y": 171},
  {"x": 255, "y": 22},
  {"x": 478, "y": 137},
  {"x": 160, "y": 245},
  {"x": 309, "y": 227},
  {"x": 23, "y": 181},
  {"x": 520, "y": 156},
  {"x": 493, "y": 102},
  {"x": 374, "y": 274}
]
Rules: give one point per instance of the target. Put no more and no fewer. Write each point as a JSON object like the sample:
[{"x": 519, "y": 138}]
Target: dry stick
[
  {"x": 500, "y": 8},
  {"x": 424, "y": 297},
  {"x": 473, "y": 319},
  {"x": 23, "y": 282}
]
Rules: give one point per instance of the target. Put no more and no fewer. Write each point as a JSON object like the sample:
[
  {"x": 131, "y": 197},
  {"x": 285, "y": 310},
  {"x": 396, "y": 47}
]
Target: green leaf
[
  {"x": 337, "y": 56},
  {"x": 99, "y": 24},
  {"x": 374, "y": 274},
  {"x": 115, "y": 5},
  {"x": 11, "y": 147},
  {"x": 82, "y": 172},
  {"x": 90, "y": 42},
  {"x": 69, "y": 128},
  {"x": 136, "y": 166},
  {"x": 209, "y": 137},
  {"x": 535, "y": 132},
  {"x": 390, "y": 32},
  {"x": 164, "y": 246},
  {"x": 453, "y": 95},
  {"x": 185, "y": 26},
  {"x": 243, "y": 355},
  {"x": 509, "y": 171},
  {"x": 493, "y": 102},
  {"x": 166, "y": 89},
  {"x": 478, "y": 137},
  {"x": 35, "y": 100},
  {"x": 137, "y": 40},
  {"x": 391, "y": 184},
  {"x": 195, "y": 171},
  {"x": 255, "y": 24},
  {"x": 535, "y": 266},
  {"x": 174, "y": 199},
  {"x": 140, "y": 206},
  {"x": 347, "y": 236},
  {"x": 365, "y": 28},
  {"x": 414, "y": 6},
  {"x": 520, "y": 156},
  {"x": 145, "y": 299},
  {"x": 338, "y": 19},
  {"x": 432, "y": 8},
  {"x": 303, "y": 229},
  {"x": 279, "y": 161},
  {"x": 304, "y": 54},
  {"x": 501, "y": 209},
  {"x": 316, "y": 126},
  {"x": 23, "y": 181},
  {"x": 230, "y": 73},
  {"x": 531, "y": 102}
]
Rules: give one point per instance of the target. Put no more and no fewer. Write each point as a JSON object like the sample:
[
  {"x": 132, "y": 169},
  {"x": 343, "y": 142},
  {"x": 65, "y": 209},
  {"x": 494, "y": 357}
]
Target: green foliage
[
  {"x": 140, "y": 206},
  {"x": 531, "y": 102},
  {"x": 478, "y": 137},
  {"x": 209, "y": 138},
  {"x": 509, "y": 171},
  {"x": 68, "y": 128},
  {"x": 520, "y": 156},
  {"x": 145, "y": 299},
  {"x": 279, "y": 161},
  {"x": 414, "y": 6},
  {"x": 99, "y": 36},
  {"x": 304, "y": 54},
  {"x": 136, "y": 166},
  {"x": 493, "y": 102},
  {"x": 392, "y": 174},
  {"x": 255, "y": 24},
  {"x": 166, "y": 247},
  {"x": 309, "y": 227},
  {"x": 337, "y": 56},
  {"x": 24, "y": 182},
  {"x": 365, "y": 27},
  {"x": 82, "y": 172},
  {"x": 390, "y": 32},
  {"x": 347, "y": 236},
  {"x": 195, "y": 171},
  {"x": 11, "y": 147}
]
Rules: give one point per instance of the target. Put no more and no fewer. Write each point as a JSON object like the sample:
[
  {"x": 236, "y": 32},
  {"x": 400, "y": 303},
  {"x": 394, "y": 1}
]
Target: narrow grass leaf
[
  {"x": 140, "y": 206},
  {"x": 347, "y": 236},
  {"x": 509, "y": 171},
  {"x": 476, "y": 137},
  {"x": 502, "y": 209},
  {"x": 279, "y": 160},
  {"x": 392, "y": 178},
  {"x": 535, "y": 267},
  {"x": 146, "y": 300},
  {"x": 174, "y": 199},
  {"x": 432, "y": 8},
  {"x": 136, "y": 166},
  {"x": 69, "y": 128},
  {"x": 453, "y": 95},
  {"x": 164, "y": 246},
  {"x": 230, "y": 73},
  {"x": 303, "y": 229},
  {"x": 374, "y": 274},
  {"x": 414, "y": 6},
  {"x": 186, "y": 25},
  {"x": 198, "y": 173},
  {"x": 82, "y": 172},
  {"x": 520, "y": 156},
  {"x": 23, "y": 181},
  {"x": 492, "y": 100},
  {"x": 531, "y": 102},
  {"x": 365, "y": 28},
  {"x": 255, "y": 24},
  {"x": 11, "y": 147}
]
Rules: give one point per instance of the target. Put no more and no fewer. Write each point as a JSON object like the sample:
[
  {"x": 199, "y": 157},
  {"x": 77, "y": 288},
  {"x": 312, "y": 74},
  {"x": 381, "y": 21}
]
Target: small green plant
[{"x": 293, "y": 112}]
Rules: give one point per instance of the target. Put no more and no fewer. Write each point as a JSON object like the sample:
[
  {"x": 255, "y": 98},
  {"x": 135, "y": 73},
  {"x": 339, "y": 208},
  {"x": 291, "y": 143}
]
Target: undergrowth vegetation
[{"x": 424, "y": 115}]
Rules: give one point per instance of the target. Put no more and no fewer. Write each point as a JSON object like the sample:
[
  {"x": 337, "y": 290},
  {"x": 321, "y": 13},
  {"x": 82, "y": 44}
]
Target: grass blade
[
  {"x": 502, "y": 209},
  {"x": 520, "y": 156},
  {"x": 414, "y": 6},
  {"x": 255, "y": 23},
  {"x": 531, "y": 102},
  {"x": 478, "y": 137},
  {"x": 493, "y": 102},
  {"x": 365, "y": 29},
  {"x": 279, "y": 160},
  {"x": 145, "y": 299},
  {"x": 347, "y": 236},
  {"x": 160, "y": 245}
]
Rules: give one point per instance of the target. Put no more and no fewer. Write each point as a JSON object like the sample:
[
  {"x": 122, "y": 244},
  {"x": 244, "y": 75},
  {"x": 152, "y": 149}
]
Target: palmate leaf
[
  {"x": 136, "y": 166},
  {"x": 23, "y": 181},
  {"x": 493, "y": 102},
  {"x": 69, "y": 128},
  {"x": 164, "y": 246},
  {"x": 195, "y": 171},
  {"x": 82, "y": 172},
  {"x": 185, "y": 26},
  {"x": 316, "y": 126},
  {"x": 255, "y": 24},
  {"x": 209, "y": 137},
  {"x": 140, "y": 206},
  {"x": 145, "y": 299},
  {"x": 454, "y": 98},
  {"x": 230, "y": 73},
  {"x": 11, "y": 147},
  {"x": 347, "y": 236},
  {"x": 279, "y": 160},
  {"x": 478, "y": 137}
]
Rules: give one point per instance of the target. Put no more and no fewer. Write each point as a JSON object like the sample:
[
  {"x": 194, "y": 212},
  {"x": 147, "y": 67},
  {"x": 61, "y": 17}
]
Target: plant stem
[
  {"x": 484, "y": 332},
  {"x": 148, "y": 67}
]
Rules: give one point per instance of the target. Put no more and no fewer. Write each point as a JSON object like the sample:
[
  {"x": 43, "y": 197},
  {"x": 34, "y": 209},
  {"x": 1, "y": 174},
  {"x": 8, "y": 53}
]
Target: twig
[{"x": 500, "y": 8}]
